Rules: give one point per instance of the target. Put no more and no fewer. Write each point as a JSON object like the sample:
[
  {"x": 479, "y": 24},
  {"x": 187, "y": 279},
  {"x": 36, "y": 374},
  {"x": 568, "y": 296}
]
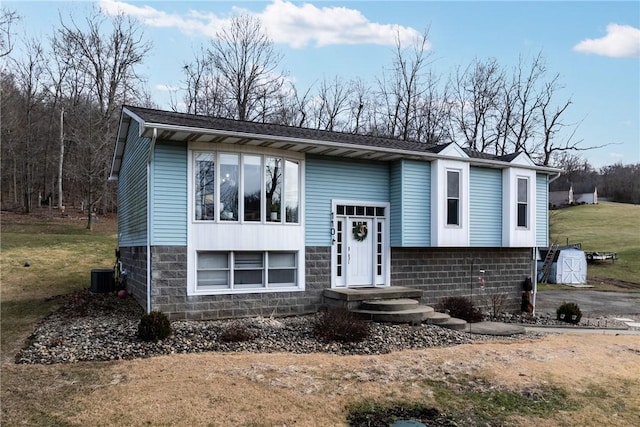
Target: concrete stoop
[{"x": 391, "y": 305}]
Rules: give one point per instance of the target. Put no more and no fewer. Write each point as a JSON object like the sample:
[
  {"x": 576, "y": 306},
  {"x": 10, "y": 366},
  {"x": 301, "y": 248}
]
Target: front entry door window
[{"x": 359, "y": 246}]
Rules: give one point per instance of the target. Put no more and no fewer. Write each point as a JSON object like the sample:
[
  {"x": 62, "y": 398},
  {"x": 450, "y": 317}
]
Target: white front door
[
  {"x": 360, "y": 249},
  {"x": 360, "y": 240}
]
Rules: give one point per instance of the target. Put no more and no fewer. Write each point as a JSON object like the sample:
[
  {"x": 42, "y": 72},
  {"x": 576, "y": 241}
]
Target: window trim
[
  {"x": 525, "y": 204},
  {"x": 232, "y": 268},
  {"x": 284, "y": 157},
  {"x": 458, "y": 224}
]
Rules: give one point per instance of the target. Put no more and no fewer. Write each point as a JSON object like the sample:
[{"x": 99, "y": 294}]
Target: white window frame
[
  {"x": 459, "y": 218},
  {"x": 252, "y": 236},
  {"x": 231, "y": 270},
  {"x": 241, "y": 172},
  {"x": 525, "y": 203}
]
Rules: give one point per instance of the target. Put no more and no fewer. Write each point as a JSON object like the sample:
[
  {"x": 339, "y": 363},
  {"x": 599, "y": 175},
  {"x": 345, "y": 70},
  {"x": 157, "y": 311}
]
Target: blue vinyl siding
[
  {"x": 132, "y": 190},
  {"x": 395, "y": 197},
  {"x": 485, "y": 207},
  {"x": 169, "y": 195},
  {"x": 327, "y": 179},
  {"x": 542, "y": 210},
  {"x": 416, "y": 204}
]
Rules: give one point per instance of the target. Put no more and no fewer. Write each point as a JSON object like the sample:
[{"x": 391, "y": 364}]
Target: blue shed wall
[
  {"x": 132, "y": 190},
  {"x": 542, "y": 210},
  {"x": 332, "y": 178},
  {"x": 485, "y": 207},
  {"x": 169, "y": 195}
]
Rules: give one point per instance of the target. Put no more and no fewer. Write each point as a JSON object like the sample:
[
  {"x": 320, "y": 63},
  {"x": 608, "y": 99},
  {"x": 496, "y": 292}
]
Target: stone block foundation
[
  {"x": 437, "y": 272},
  {"x": 440, "y": 273}
]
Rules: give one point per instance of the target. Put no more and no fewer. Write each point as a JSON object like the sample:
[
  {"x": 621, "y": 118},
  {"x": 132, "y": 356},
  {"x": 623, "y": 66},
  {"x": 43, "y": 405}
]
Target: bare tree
[
  {"x": 477, "y": 92},
  {"x": 7, "y": 18},
  {"x": 403, "y": 88},
  {"x": 247, "y": 62},
  {"x": 203, "y": 92},
  {"x": 29, "y": 72},
  {"x": 331, "y": 104},
  {"x": 107, "y": 59},
  {"x": 360, "y": 106},
  {"x": 552, "y": 125}
]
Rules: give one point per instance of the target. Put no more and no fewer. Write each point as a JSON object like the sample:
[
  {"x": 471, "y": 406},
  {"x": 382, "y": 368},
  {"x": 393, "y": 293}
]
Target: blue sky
[{"x": 593, "y": 46}]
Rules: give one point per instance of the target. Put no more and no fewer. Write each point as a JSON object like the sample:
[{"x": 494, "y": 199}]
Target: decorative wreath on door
[{"x": 360, "y": 232}]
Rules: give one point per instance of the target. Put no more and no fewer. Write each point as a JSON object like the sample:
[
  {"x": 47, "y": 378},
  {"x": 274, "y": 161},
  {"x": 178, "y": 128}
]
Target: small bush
[
  {"x": 569, "y": 312},
  {"x": 340, "y": 325},
  {"x": 154, "y": 326},
  {"x": 236, "y": 332},
  {"x": 461, "y": 308}
]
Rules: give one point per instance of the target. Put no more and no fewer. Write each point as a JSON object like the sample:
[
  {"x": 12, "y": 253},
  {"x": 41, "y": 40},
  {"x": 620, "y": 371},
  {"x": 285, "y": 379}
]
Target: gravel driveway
[{"x": 591, "y": 303}]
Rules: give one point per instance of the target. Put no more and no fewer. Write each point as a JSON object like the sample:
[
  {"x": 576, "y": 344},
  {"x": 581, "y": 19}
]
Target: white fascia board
[{"x": 427, "y": 156}]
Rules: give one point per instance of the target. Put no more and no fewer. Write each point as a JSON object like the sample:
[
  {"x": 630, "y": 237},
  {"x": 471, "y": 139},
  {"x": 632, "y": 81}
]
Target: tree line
[
  {"x": 61, "y": 99},
  {"x": 616, "y": 183}
]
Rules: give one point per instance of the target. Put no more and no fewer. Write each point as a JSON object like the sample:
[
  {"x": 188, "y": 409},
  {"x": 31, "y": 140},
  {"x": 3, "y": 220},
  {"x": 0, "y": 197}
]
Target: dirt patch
[{"x": 615, "y": 284}]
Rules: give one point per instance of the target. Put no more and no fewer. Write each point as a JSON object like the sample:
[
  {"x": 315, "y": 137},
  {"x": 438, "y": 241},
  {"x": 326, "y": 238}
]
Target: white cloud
[
  {"x": 194, "y": 23},
  {"x": 300, "y": 25},
  {"x": 616, "y": 155},
  {"x": 621, "y": 41},
  {"x": 285, "y": 22}
]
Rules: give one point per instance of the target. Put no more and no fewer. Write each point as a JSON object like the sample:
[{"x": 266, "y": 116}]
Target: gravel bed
[
  {"x": 102, "y": 327},
  {"x": 549, "y": 319}
]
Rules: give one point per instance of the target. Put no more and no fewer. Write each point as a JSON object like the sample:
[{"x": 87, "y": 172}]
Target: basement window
[{"x": 240, "y": 270}]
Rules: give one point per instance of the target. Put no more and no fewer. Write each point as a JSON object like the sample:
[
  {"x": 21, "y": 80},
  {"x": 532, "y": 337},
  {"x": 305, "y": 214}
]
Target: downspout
[
  {"x": 553, "y": 178},
  {"x": 149, "y": 158},
  {"x": 534, "y": 276}
]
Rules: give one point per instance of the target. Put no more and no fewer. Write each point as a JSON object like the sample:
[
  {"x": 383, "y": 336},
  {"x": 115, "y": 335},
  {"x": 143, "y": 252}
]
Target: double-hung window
[
  {"x": 523, "y": 202},
  {"x": 453, "y": 197},
  {"x": 234, "y": 187}
]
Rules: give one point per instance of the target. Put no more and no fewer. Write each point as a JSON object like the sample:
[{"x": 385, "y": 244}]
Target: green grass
[
  {"x": 61, "y": 254},
  {"x": 479, "y": 405},
  {"x": 605, "y": 227}
]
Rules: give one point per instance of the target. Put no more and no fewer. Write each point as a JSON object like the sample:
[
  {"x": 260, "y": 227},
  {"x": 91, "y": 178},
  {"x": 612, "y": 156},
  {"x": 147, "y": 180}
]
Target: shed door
[{"x": 571, "y": 269}]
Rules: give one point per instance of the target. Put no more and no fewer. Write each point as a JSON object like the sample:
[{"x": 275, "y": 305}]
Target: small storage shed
[{"x": 569, "y": 267}]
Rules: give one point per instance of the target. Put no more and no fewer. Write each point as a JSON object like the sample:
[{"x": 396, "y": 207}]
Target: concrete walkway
[
  {"x": 580, "y": 331},
  {"x": 495, "y": 328},
  {"x": 621, "y": 306}
]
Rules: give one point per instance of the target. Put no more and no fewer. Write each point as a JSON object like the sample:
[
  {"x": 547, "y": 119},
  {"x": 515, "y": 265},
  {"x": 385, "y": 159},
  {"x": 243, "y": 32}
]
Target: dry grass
[
  {"x": 600, "y": 375},
  {"x": 314, "y": 390}
]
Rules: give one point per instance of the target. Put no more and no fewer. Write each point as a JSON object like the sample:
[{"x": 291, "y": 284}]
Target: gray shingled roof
[
  {"x": 206, "y": 122},
  {"x": 184, "y": 127}
]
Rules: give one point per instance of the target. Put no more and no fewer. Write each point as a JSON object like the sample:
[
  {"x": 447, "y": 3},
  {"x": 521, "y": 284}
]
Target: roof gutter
[
  {"x": 149, "y": 159},
  {"x": 556, "y": 176}
]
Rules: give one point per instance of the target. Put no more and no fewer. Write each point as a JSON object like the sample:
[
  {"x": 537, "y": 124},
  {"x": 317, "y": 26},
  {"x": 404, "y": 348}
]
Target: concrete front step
[
  {"x": 454, "y": 323},
  {"x": 366, "y": 294},
  {"x": 437, "y": 318},
  {"x": 390, "y": 304},
  {"x": 411, "y": 315}
]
